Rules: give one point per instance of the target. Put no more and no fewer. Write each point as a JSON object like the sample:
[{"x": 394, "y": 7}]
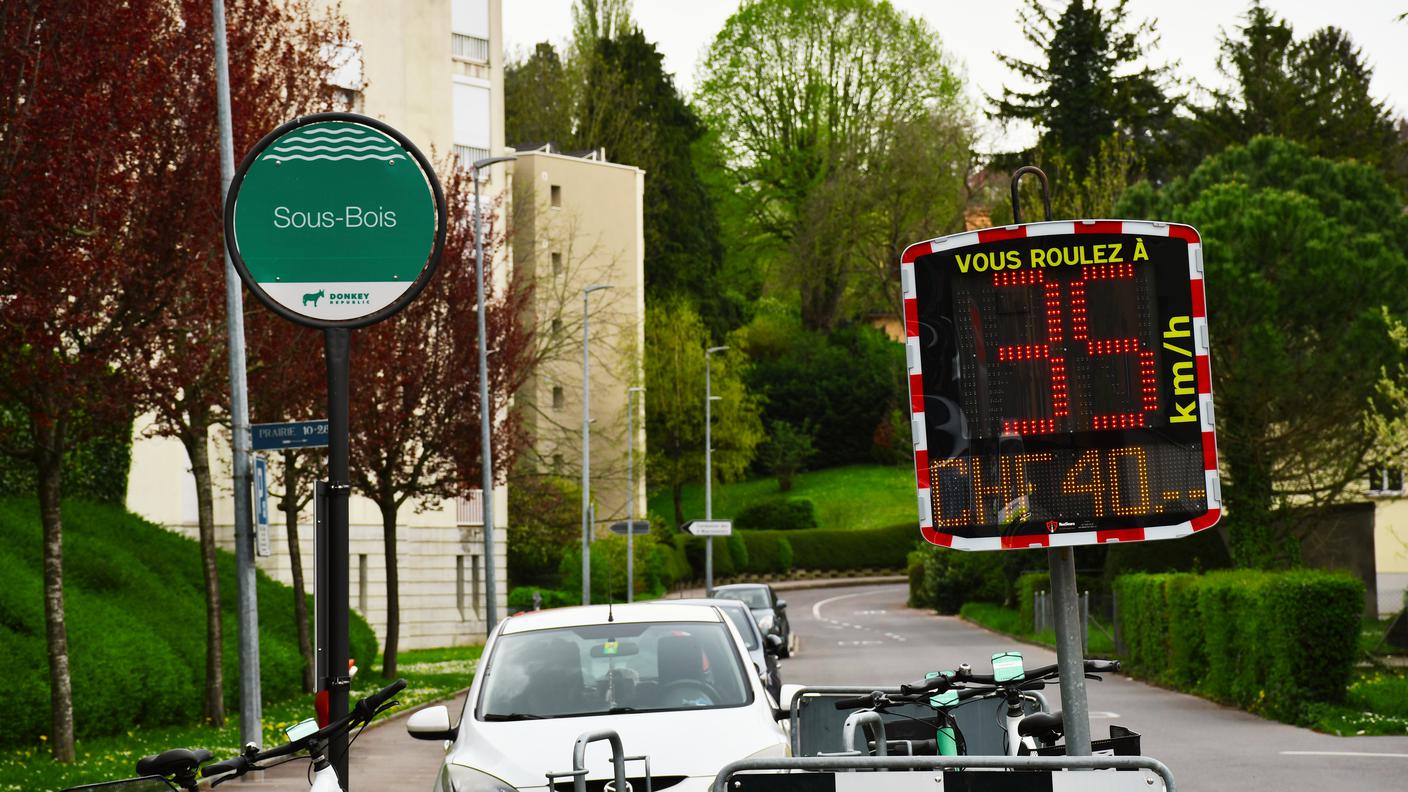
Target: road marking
[
  {"x": 859, "y": 643},
  {"x": 816, "y": 609},
  {"x": 870, "y": 613},
  {"x": 1346, "y": 753}
]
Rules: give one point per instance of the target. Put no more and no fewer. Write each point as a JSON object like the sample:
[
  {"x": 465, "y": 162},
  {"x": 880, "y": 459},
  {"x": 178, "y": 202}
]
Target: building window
[
  {"x": 556, "y": 261},
  {"x": 558, "y": 400},
  {"x": 470, "y": 48},
  {"x": 362, "y": 583},
  {"x": 557, "y": 463},
  {"x": 557, "y": 196},
  {"x": 1385, "y": 481},
  {"x": 459, "y": 585},
  {"x": 557, "y": 327},
  {"x": 474, "y": 584}
]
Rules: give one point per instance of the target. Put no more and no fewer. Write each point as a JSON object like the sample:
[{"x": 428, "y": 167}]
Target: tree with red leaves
[
  {"x": 82, "y": 134},
  {"x": 277, "y": 72},
  {"x": 415, "y": 386}
]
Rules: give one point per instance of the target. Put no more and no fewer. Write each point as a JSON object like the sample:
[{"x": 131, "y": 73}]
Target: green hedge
[
  {"x": 1271, "y": 642},
  {"x": 135, "y": 610},
  {"x": 1027, "y": 586},
  {"x": 768, "y": 553},
  {"x": 520, "y": 598},
  {"x": 777, "y": 515}
]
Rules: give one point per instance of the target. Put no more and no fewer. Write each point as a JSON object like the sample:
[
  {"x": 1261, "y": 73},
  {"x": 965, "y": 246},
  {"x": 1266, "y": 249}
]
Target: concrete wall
[{"x": 595, "y": 235}]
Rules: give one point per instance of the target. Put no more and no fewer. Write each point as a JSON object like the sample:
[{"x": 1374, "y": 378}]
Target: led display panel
[{"x": 1060, "y": 385}]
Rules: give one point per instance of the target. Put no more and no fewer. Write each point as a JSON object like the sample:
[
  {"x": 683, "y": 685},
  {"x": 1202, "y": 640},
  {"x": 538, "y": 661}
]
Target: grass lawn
[
  {"x": 430, "y": 674},
  {"x": 858, "y": 496}
]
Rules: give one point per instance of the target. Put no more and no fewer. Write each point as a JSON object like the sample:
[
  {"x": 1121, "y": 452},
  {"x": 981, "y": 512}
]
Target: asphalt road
[{"x": 867, "y": 635}]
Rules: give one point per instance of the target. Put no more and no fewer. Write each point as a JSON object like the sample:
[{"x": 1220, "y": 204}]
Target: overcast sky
[{"x": 970, "y": 30}]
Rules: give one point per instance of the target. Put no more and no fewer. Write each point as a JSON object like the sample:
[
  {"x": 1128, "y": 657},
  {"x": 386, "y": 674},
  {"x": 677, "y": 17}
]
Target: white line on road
[
  {"x": 1346, "y": 753},
  {"x": 816, "y": 609}
]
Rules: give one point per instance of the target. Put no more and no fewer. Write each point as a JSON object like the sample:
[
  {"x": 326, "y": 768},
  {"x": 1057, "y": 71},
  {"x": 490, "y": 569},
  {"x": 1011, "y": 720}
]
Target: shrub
[
  {"x": 1026, "y": 588},
  {"x": 608, "y": 567},
  {"x": 767, "y": 553},
  {"x": 520, "y": 598},
  {"x": 951, "y": 578},
  {"x": 777, "y": 515},
  {"x": 1272, "y": 642}
]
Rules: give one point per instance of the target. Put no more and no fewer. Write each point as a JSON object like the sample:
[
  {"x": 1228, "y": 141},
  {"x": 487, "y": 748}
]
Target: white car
[{"x": 674, "y": 681}]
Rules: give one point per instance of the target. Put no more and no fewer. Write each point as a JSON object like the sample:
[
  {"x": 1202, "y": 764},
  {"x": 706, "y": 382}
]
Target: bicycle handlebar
[{"x": 363, "y": 712}]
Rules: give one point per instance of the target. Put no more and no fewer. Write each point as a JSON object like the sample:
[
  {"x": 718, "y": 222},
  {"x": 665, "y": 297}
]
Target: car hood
[{"x": 689, "y": 743}]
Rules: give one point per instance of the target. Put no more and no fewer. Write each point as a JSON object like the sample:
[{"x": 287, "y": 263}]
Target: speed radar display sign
[{"x": 1060, "y": 385}]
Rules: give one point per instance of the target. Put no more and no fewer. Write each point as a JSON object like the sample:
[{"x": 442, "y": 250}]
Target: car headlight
[
  {"x": 765, "y": 623},
  {"x": 467, "y": 779}
]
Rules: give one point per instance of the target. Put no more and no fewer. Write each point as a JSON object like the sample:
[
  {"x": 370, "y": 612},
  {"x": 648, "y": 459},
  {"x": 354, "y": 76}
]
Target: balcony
[
  {"x": 470, "y": 48},
  {"x": 469, "y": 511}
]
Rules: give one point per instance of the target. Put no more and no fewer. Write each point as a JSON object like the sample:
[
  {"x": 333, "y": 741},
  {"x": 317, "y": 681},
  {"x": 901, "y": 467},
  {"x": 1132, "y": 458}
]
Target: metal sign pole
[
  {"x": 336, "y": 548},
  {"x": 1074, "y": 705}
]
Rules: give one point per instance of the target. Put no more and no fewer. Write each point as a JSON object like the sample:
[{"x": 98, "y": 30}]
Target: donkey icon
[{"x": 314, "y": 297}]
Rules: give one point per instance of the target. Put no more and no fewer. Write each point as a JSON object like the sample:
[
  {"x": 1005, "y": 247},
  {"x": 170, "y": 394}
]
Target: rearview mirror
[
  {"x": 782, "y": 604},
  {"x": 431, "y": 723},
  {"x": 615, "y": 649},
  {"x": 772, "y": 643},
  {"x": 785, "y": 696}
]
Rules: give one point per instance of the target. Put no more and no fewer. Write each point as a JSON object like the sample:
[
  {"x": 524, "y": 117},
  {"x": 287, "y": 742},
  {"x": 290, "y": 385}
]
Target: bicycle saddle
[
  {"x": 1041, "y": 723},
  {"x": 173, "y": 762}
]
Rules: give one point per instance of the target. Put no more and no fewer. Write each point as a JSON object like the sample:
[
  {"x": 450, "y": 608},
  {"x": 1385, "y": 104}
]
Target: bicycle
[
  {"x": 176, "y": 769},
  {"x": 945, "y": 691}
]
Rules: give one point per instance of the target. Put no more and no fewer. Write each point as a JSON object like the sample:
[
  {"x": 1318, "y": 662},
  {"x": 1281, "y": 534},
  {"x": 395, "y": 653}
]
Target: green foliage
[
  {"x": 950, "y": 578},
  {"x": 135, "y": 610},
  {"x": 844, "y": 384},
  {"x": 1027, "y": 586},
  {"x": 545, "y": 515},
  {"x": 1269, "y": 642},
  {"x": 520, "y": 598},
  {"x": 1086, "y": 91},
  {"x": 1313, "y": 90},
  {"x": 823, "y": 549},
  {"x": 609, "y": 568},
  {"x": 94, "y": 469},
  {"x": 675, "y": 379},
  {"x": 786, "y": 451},
  {"x": 1290, "y": 240},
  {"x": 798, "y": 514},
  {"x": 536, "y": 91},
  {"x": 768, "y": 554},
  {"x": 817, "y": 138}
]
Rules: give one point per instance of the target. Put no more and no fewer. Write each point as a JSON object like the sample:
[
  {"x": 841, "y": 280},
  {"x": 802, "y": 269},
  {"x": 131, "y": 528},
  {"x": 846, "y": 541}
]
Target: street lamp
[
  {"x": 486, "y": 460},
  {"x": 631, "y": 494},
  {"x": 709, "y": 399},
  {"x": 587, "y": 449}
]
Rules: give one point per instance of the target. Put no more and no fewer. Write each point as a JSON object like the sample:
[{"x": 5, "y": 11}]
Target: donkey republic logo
[{"x": 333, "y": 220}]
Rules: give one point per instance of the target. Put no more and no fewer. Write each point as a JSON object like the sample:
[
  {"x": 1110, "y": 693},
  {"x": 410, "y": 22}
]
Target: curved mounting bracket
[{"x": 1045, "y": 192}]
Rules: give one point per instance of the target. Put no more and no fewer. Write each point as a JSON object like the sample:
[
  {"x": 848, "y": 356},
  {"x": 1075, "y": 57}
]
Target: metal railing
[
  {"x": 468, "y": 155},
  {"x": 470, "y": 48},
  {"x": 470, "y": 510},
  {"x": 1037, "y": 763}
]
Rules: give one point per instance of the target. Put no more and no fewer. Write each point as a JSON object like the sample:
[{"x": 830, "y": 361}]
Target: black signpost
[
  {"x": 1061, "y": 395},
  {"x": 335, "y": 221}
]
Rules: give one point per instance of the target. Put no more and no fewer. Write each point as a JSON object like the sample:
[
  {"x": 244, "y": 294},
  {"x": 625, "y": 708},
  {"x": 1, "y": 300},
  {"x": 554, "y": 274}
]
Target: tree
[
  {"x": 415, "y": 398},
  {"x": 1314, "y": 91},
  {"x": 675, "y": 340},
  {"x": 805, "y": 96},
  {"x": 786, "y": 451},
  {"x": 1086, "y": 89},
  {"x": 184, "y": 378},
  {"x": 537, "y": 99},
  {"x": 80, "y": 84},
  {"x": 1307, "y": 271},
  {"x": 547, "y": 518}
]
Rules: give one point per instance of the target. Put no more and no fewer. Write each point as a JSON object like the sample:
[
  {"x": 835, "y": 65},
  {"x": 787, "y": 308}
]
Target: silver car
[{"x": 763, "y": 648}]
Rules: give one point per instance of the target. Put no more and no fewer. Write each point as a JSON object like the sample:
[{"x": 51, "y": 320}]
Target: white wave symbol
[
  {"x": 335, "y": 131},
  {"x": 315, "y": 138},
  {"x": 334, "y": 157},
  {"x": 322, "y": 147}
]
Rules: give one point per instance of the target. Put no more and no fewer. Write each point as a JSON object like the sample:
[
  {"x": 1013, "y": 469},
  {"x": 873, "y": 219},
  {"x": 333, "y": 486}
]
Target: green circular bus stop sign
[{"x": 335, "y": 220}]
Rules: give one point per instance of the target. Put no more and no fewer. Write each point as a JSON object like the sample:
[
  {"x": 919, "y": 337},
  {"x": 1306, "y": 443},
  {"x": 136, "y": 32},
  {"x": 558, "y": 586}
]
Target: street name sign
[
  {"x": 295, "y": 434},
  {"x": 335, "y": 220},
  {"x": 636, "y": 527},
  {"x": 1060, "y": 386},
  {"x": 263, "y": 546},
  {"x": 708, "y": 527}
]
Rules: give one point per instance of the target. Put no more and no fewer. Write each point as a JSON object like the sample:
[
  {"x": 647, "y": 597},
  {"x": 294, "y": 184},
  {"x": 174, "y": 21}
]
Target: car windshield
[
  {"x": 743, "y": 622},
  {"x": 755, "y": 597},
  {"x": 612, "y": 668}
]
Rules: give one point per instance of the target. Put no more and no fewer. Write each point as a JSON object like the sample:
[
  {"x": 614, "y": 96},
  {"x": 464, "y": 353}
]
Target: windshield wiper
[{"x": 512, "y": 716}]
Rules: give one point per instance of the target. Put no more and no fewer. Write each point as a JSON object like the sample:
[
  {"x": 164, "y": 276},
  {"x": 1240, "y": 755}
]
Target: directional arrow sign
[
  {"x": 708, "y": 527},
  {"x": 637, "y": 527}
]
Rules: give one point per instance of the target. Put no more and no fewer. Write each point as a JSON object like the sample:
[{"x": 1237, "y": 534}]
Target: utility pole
[
  {"x": 247, "y": 608},
  {"x": 587, "y": 447},
  {"x": 486, "y": 453},
  {"x": 631, "y": 494},
  {"x": 709, "y": 399}
]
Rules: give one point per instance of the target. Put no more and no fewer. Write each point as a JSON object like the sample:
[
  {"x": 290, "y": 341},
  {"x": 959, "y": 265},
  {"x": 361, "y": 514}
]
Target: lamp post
[
  {"x": 486, "y": 455},
  {"x": 631, "y": 494},
  {"x": 709, "y": 399},
  {"x": 587, "y": 448}
]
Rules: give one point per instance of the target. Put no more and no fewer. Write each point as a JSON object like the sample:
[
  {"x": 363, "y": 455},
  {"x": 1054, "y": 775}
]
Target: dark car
[
  {"x": 769, "y": 610},
  {"x": 762, "y": 647}
]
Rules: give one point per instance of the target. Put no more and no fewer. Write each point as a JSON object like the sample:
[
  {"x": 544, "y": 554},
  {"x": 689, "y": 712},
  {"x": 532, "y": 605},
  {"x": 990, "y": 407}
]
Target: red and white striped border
[{"x": 1203, "y": 366}]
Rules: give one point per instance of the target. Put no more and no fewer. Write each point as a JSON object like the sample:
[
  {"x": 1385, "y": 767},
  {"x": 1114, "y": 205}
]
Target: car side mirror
[
  {"x": 772, "y": 643},
  {"x": 782, "y": 604},
  {"x": 784, "y": 701},
  {"x": 431, "y": 723}
]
